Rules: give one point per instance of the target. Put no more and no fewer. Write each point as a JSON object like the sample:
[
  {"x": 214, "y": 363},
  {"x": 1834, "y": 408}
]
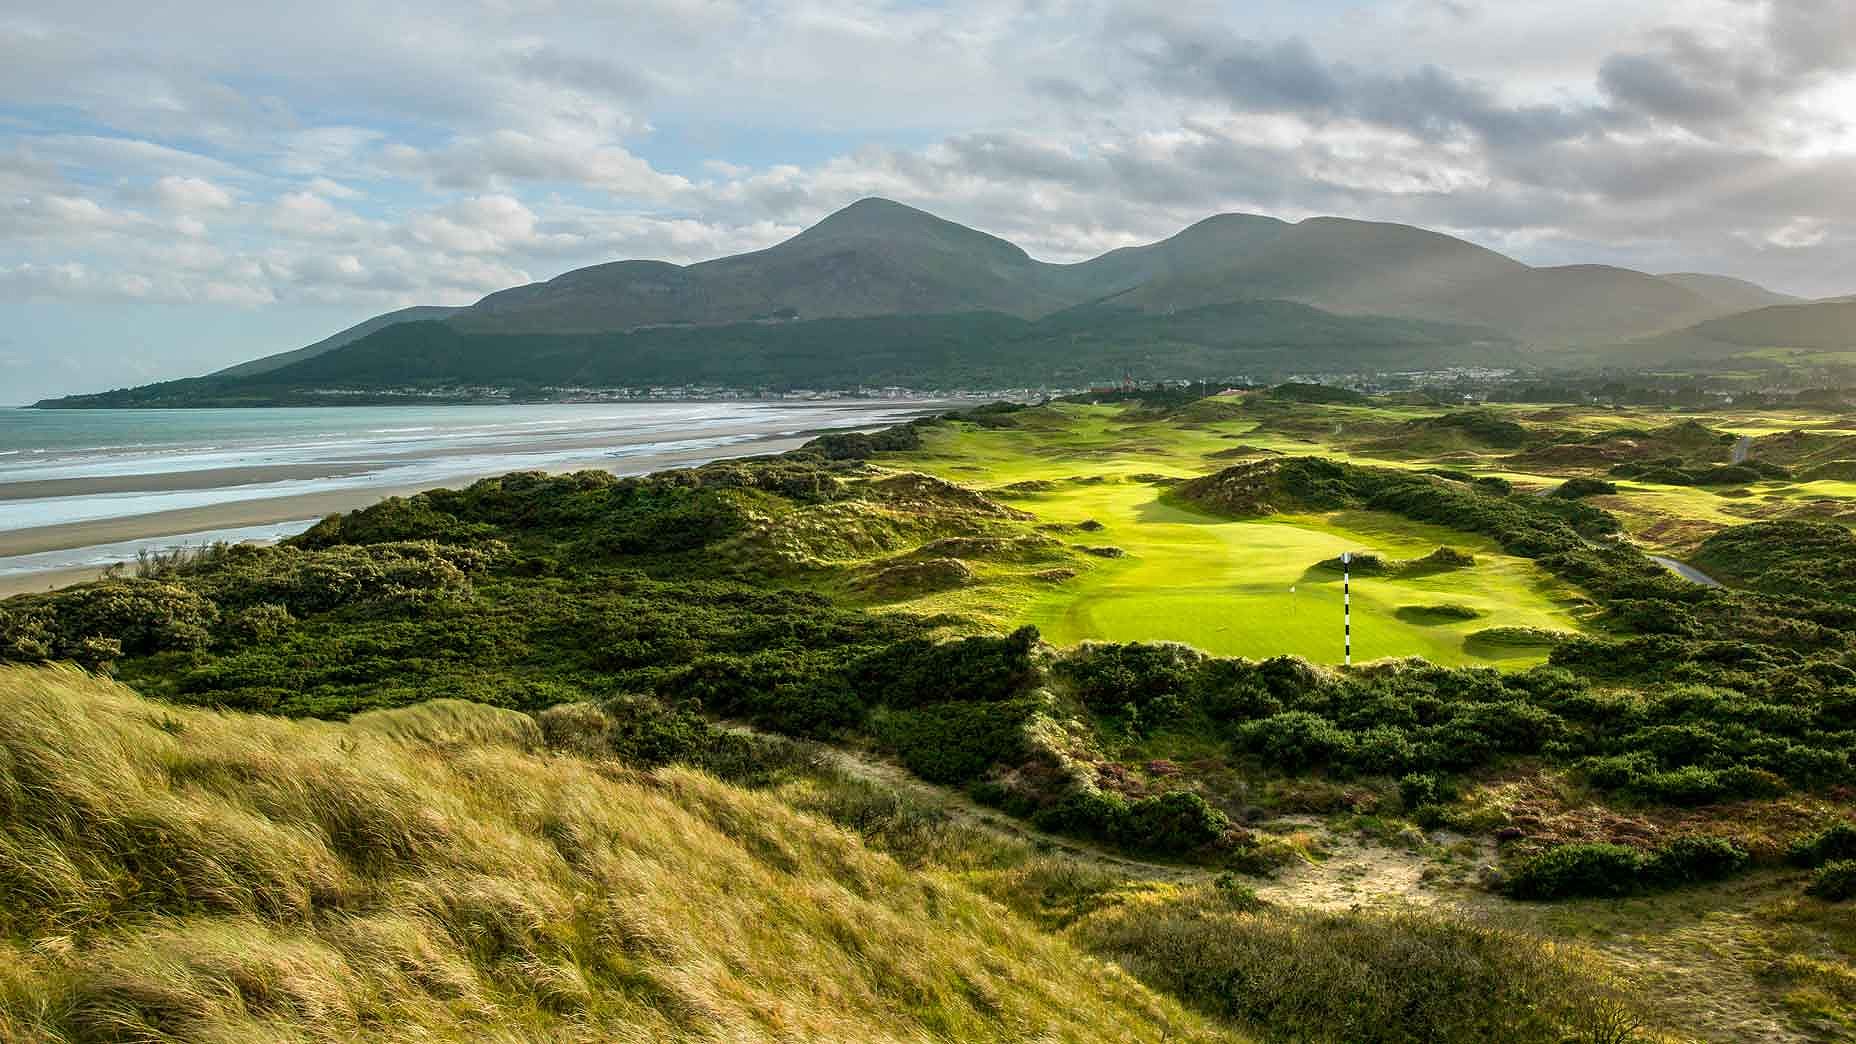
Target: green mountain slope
[
  {"x": 1208, "y": 246},
  {"x": 1827, "y": 325},
  {"x": 354, "y": 333},
  {"x": 1359, "y": 267},
  {"x": 1735, "y": 295},
  {"x": 910, "y": 298},
  {"x": 1819, "y": 326},
  {"x": 1083, "y": 346},
  {"x": 874, "y": 257}
]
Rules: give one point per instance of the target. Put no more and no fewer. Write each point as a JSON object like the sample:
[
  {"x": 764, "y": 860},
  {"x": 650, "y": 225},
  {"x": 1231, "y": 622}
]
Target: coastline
[
  {"x": 237, "y": 511},
  {"x": 46, "y": 580}
]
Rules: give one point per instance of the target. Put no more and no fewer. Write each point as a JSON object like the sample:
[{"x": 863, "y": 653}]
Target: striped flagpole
[{"x": 1346, "y": 607}]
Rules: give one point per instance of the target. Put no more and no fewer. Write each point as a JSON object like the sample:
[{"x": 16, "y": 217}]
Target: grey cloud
[
  {"x": 550, "y": 64},
  {"x": 1290, "y": 77},
  {"x": 1814, "y": 35}
]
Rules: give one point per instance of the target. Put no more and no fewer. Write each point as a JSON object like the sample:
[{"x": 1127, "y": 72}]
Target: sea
[{"x": 86, "y": 488}]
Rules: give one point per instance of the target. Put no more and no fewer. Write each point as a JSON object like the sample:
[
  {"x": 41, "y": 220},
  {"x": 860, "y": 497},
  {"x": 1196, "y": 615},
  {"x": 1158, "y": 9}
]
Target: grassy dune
[{"x": 433, "y": 873}]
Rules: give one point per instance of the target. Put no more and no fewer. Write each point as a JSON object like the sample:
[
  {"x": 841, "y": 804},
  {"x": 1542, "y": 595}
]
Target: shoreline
[{"x": 236, "y": 513}]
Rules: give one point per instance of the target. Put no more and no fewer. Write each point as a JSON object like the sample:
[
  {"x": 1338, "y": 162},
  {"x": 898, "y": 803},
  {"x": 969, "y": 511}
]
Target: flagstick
[{"x": 1346, "y": 608}]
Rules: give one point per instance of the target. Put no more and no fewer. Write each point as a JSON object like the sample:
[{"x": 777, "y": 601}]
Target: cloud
[
  {"x": 506, "y": 158},
  {"x": 433, "y": 154},
  {"x": 189, "y": 195}
]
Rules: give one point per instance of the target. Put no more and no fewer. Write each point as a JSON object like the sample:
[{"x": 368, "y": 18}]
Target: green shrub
[
  {"x": 1832, "y": 844},
  {"x": 920, "y": 671},
  {"x": 1154, "y": 679},
  {"x": 1599, "y": 871},
  {"x": 1295, "y": 740},
  {"x": 1174, "y": 823},
  {"x": 1575, "y": 488},
  {"x": 1580, "y": 871},
  {"x": 256, "y": 624},
  {"x": 955, "y": 742},
  {"x": 1834, "y": 882},
  {"x": 1688, "y": 860},
  {"x": 1419, "y": 789}
]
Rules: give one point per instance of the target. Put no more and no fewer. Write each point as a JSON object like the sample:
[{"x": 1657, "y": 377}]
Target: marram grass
[{"x": 434, "y": 874}]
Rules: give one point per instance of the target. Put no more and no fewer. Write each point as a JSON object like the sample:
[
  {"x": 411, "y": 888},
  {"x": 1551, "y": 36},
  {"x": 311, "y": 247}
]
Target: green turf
[{"x": 1228, "y": 587}]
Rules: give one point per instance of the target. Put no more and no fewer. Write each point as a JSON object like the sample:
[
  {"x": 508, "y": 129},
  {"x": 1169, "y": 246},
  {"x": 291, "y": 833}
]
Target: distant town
[{"x": 1469, "y": 379}]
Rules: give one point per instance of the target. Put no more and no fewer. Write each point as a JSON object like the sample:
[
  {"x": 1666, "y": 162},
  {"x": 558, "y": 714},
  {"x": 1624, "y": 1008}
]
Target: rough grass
[{"x": 430, "y": 874}]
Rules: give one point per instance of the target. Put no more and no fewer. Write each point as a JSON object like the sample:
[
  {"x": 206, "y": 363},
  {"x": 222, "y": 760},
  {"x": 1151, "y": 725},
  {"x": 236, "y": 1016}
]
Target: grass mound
[
  {"x": 175, "y": 874},
  {"x": 993, "y": 548},
  {"x": 1521, "y": 637},
  {"x": 1831, "y": 470},
  {"x": 1443, "y": 612},
  {"x": 1366, "y": 563},
  {"x": 1268, "y": 487},
  {"x": 915, "y": 577}
]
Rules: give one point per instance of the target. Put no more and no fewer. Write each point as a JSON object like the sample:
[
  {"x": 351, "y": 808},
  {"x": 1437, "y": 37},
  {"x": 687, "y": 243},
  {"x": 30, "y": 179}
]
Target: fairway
[{"x": 1236, "y": 588}]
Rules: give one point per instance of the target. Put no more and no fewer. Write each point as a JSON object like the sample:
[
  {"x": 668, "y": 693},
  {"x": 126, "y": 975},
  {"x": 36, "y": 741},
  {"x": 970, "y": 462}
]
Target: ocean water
[{"x": 149, "y": 479}]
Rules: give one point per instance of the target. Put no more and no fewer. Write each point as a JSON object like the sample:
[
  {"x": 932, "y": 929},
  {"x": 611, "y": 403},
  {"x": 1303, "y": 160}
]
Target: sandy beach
[
  {"x": 258, "y": 495},
  {"x": 235, "y": 512}
]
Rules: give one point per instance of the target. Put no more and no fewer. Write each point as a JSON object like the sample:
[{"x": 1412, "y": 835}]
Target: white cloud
[
  {"x": 427, "y": 153},
  {"x": 189, "y": 194}
]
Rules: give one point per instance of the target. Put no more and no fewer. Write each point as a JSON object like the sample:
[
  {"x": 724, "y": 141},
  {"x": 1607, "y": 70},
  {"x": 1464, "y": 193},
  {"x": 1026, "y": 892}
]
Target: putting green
[{"x": 1241, "y": 588}]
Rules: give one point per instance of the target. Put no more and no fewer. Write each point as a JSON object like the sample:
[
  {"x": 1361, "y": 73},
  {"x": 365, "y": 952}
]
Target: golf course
[{"x": 1229, "y": 587}]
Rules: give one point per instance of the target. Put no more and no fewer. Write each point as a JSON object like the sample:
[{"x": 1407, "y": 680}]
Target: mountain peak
[
  {"x": 895, "y": 224},
  {"x": 876, "y": 216}
]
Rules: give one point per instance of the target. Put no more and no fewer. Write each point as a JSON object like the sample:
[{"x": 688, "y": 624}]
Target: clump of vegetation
[
  {"x": 1833, "y": 843},
  {"x": 1522, "y": 637},
  {"x": 1438, "y": 613},
  {"x": 1675, "y": 471},
  {"x": 908, "y": 579},
  {"x": 1608, "y": 871},
  {"x": 1786, "y": 558},
  {"x": 1489, "y": 427},
  {"x": 1834, "y": 882},
  {"x": 1366, "y": 563},
  {"x": 1576, "y": 488},
  {"x": 1360, "y": 977}
]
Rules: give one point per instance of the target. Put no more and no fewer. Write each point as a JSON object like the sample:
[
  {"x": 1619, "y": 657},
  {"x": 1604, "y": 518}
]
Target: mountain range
[{"x": 880, "y": 292}]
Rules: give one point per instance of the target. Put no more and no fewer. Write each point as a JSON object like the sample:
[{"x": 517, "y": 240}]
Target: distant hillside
[
  {"x": 1082, "y": 346},
  {"x": 938, "y": 303},
  {"x": 1361, "y": 267},
  {"x": 334, "y": 341},
  {"x": 1736, "y": 295},
  {"x": 874, "y": 257},
  {"x": 1758, "y": 337},
  {"x": 1827, "y": 325},
  {"x": 1208, "y": 246}
]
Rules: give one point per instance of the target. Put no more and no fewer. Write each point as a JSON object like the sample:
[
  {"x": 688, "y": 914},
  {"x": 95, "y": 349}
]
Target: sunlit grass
[{"x": 1228, "y": 587}]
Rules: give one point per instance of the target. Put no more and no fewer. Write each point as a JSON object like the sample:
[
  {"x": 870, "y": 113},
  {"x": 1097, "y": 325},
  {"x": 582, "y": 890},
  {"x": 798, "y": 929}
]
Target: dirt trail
[
  {"x": 1696, "y": 966},
  {"x": 1349, "y": 872}
]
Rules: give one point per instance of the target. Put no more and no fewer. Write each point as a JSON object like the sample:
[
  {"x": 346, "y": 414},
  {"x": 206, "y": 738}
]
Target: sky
[{"x": 190, "y": 184}]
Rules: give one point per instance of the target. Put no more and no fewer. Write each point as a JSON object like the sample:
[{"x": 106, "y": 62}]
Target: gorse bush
[
  {"x": 1834, "y": 882},
  {"x": 1833, "y": 843},
  {"x": 1599, "y": 871}
]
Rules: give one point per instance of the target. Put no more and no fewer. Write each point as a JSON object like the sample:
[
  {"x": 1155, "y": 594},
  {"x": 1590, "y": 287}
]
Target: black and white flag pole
[{"x": 1346, "y": 608}]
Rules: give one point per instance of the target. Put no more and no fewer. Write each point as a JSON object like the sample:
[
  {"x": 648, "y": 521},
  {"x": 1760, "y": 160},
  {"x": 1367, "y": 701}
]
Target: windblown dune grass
[{"x": 436, "y": 874}]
